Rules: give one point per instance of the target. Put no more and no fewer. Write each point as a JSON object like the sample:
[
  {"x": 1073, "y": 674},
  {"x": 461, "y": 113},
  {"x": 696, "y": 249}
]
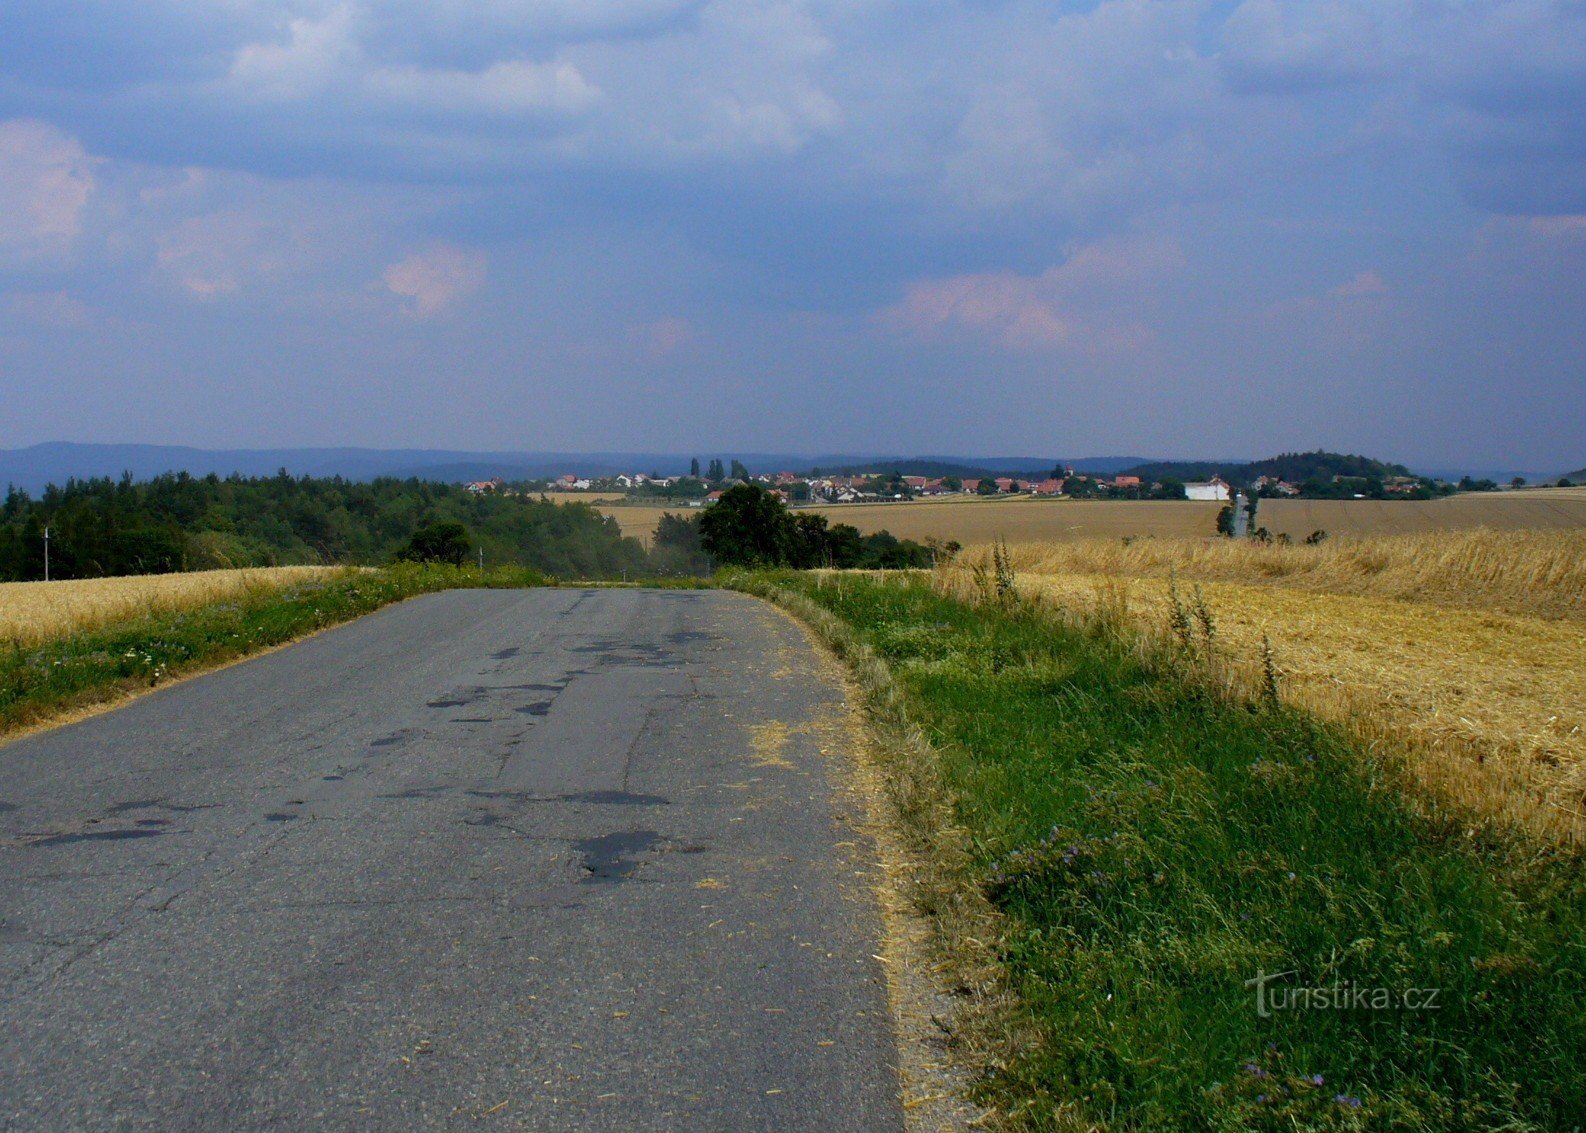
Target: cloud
[
  {"x": 46, "y": 180},
  {"x": 325, "y": 59},
  {"x": 1278, "y": 46},
  {"x": 1366, "y": 283},
  {"x": 511, "y": 87},
  {"x": 214, "y": 254},
  {"x": 437, "y": 278},
  {"x": 1088, "y": 113},
  {"x": 313, "y": 58},
  {"x": 1070, "y": 305}
]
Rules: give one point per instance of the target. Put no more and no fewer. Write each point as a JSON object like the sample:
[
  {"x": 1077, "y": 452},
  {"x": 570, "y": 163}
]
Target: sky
[{"x": 1155, "y": 227}]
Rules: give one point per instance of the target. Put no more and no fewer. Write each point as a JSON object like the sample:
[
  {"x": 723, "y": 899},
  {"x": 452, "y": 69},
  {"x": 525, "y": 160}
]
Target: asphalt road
[{"x": 551, "y": 859}]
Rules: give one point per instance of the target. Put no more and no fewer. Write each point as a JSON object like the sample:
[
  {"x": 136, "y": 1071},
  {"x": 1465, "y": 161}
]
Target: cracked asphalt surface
[{"x": 541, "y": 859}]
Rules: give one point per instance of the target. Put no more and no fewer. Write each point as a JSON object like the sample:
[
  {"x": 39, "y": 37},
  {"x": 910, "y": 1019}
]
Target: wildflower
[{"x": 1347, "y": 1100}]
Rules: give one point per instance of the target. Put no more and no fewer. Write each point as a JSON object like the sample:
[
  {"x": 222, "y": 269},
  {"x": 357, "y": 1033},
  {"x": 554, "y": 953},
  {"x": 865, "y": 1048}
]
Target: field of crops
[
  {"x": 1025, "y": 520},
  {"x": 33, "y": 612},
  {"x": 1463, "y": 648},
  {"x": 1539, "y": 508}
]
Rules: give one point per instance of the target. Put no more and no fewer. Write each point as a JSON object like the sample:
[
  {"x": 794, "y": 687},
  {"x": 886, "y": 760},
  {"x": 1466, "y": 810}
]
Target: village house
[
  {"x": 1048, "y": 488},
  {"x": 1276, "y": 486},
  {"x": 1214, "y": 489},
  {"x": 479, "y": 487}
]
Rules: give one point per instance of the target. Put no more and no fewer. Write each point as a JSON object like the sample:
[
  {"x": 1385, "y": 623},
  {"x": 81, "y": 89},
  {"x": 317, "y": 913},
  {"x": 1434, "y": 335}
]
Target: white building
[{"x": 1213, "y": 489}]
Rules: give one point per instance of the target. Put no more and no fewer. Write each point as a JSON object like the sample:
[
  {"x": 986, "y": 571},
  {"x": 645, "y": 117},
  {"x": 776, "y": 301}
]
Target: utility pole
[
  {"x": 481, "y": 559},
  {"x": 46, "y": 553}
]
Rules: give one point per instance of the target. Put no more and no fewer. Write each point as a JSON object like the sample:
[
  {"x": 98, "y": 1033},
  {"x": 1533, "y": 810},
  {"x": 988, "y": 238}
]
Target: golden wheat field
[
  {"x": 970, "y": 520},
  {"x": 1462, "y": 649},
  {"x": 1025, "y": 520},
  {"x": 33, "y": 612},
  {"x": 1532, "y": 509}
]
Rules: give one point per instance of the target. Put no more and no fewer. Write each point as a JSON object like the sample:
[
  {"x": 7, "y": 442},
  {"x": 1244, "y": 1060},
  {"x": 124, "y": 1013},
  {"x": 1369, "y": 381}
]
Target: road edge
[{"x": 952, "y": 1014}]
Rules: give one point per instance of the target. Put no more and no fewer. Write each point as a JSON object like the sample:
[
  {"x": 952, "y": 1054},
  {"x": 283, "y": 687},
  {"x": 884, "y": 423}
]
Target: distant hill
[
  {"x": 56, "y": 462},
  {"x": 972, "y": 468},
  {"x": 1576, "y": 477},
  {"x": 1295, "y": 467}
]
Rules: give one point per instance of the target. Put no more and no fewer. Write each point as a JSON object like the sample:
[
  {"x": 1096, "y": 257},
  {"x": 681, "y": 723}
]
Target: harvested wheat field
[
  {"x": 1478, "y": 678},
  {"x": 1535, "y": 573},
  {"x": 973, "y": 520},
  {"x": 1533, "y": 508},
  {"x": 33, "y": 612},
  {"x": 1024, "y": 519}
]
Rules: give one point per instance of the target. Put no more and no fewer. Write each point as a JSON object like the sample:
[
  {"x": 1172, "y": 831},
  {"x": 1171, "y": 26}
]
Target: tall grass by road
[{"x": 1153, "y": 845}]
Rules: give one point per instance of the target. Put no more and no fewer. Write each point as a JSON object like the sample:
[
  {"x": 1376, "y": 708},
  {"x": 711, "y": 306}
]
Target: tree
[
  {"x": 447, "y": 542},
  {"x": 952, "y": 483},
  {"x": 1517, "y": 482},
  {"x": 986, "y": 487},
  {"x": 739, "y": 472},
  {"x": 693, "y": 468},
  {"x": 716, "y": 473},
  {"x": 678, "y": 532},
  {"x": 748, "y": 526}
]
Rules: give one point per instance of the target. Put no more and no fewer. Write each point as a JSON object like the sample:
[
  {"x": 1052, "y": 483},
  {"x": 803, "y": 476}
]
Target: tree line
[{"x": 178, "y": 522}]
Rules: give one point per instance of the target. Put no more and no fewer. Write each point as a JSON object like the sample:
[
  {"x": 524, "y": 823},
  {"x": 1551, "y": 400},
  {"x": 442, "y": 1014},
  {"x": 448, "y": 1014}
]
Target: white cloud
[
  {"x": 314, "y": 56},
  {"x": 214, "y": 254},
  {"x": 46, "y": 179},
  {"x": 437, "y": 278},
  {"x": 1065, "y": 306},
  {"x": 1366, "y": 283},
  {"x": 515, "y": 86},
  {"x": 326, "y": 59}
]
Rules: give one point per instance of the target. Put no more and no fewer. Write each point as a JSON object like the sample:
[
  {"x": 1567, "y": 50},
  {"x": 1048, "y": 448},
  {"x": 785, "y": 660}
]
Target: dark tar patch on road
[{"x": 614, "y": 857}]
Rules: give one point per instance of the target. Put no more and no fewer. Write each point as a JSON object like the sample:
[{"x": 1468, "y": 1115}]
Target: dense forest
[{"x": 179, "y": 522}]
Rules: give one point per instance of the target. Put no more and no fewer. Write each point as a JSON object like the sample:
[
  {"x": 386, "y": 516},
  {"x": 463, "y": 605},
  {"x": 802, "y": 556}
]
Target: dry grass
[
  {"x": 1531, "y": 573},
  {"x": 1462, "y": 650},
  {"x": 34, "y": 612},
  {"x": 1532, "y": 509}
]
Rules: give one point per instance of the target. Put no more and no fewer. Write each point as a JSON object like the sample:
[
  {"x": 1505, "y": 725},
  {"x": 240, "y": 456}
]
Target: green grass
[
  {"x": 87, "y": 668},
  {"x": 1152, "y": 846}
]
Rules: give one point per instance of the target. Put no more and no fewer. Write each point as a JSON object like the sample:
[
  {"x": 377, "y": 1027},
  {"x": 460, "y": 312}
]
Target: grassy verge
[
  {"x": 1151, "y": 847},
  {"x": 39, "y": 682}
]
